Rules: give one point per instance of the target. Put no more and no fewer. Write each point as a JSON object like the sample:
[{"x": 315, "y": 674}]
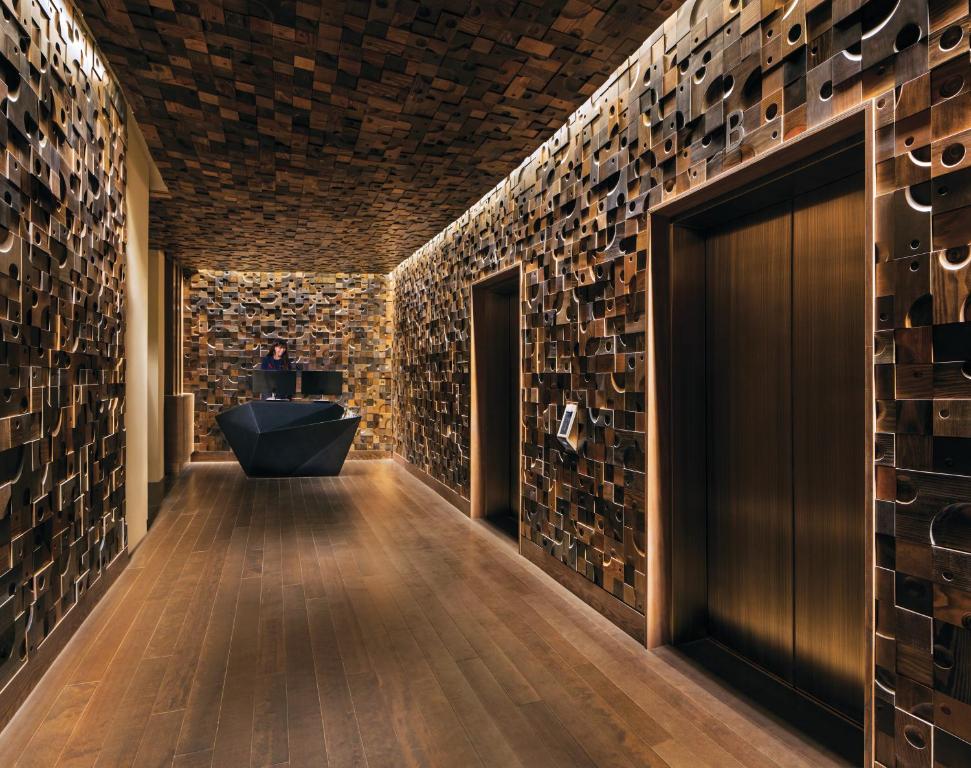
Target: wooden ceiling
[{"x": 341, "y": 136}]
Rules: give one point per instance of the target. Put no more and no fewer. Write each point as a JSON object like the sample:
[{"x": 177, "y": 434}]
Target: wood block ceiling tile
[{"x": 341, "y": 136}]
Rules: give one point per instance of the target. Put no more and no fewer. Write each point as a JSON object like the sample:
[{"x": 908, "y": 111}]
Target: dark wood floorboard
[{"x": 362, "y": 621}]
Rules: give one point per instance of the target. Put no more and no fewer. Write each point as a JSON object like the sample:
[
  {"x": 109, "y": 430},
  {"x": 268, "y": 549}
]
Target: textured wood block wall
[
  {"x": 62, "y": 243},
  {"x": 331, "y": 322},
  {"x": 722, "y": 82}
]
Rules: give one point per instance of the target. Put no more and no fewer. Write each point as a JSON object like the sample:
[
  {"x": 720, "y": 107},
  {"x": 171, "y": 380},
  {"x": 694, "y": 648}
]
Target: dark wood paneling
[
  {"x": 829, "y": 443},
  {"x": 172, "y": 321},
  {"x": 750, "y": 437},
  {"x": 687, "y": 437},
  {"x": 514, "y": 383},
  {"x": 491, "y": 325},
  {"x": 495, "y": 407}
]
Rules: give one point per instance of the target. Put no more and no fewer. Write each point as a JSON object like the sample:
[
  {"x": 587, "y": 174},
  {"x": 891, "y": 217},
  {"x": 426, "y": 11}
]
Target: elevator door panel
[
  {"x": 497, "y": 358},
  {"x": 750, "y": 536},
  {"x": 829, "y": 435}
]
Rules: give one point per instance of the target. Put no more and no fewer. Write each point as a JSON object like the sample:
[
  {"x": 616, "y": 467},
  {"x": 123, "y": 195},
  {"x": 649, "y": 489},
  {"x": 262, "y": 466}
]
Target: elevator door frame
[
  {"x": 480, "y": 471},
  {"x": 676, "y": 505}
]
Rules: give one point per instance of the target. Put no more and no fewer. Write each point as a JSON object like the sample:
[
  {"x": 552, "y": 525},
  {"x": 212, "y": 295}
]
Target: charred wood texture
[{"x": 62, "y": 371}]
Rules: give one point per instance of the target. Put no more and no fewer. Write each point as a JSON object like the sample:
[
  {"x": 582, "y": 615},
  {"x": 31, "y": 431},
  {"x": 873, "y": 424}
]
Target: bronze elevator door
[
  {"x": 785, "y": 361},
  {"x": 496, "y": 321}
]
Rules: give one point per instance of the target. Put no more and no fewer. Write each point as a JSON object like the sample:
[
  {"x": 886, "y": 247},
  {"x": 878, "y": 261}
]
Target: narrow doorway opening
[
  {"x": 496, "y": 329},
  {"x": 763, "y": 365}
]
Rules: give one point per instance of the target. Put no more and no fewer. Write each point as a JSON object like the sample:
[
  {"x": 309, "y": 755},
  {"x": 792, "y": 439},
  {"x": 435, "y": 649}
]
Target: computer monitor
[
  {"x": 277, "y": 384},
  {"x": 322, "y": 382}
]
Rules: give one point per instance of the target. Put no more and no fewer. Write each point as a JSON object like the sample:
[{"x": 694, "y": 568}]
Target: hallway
[{"x": 272, "y": 622}]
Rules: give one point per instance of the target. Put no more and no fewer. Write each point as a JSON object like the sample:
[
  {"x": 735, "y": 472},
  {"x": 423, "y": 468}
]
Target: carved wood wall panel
[
  {"x": 331, "y": 322},
  {"x": 374, "y": 122},
  {"x": 62, "y": 244},
  {"x": 721, "y": 82}
]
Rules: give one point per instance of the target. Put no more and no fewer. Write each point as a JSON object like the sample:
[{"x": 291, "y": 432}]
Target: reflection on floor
[{"x": 361, "y": 620}]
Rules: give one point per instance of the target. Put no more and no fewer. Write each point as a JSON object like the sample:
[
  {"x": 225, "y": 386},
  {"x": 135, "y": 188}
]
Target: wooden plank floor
[{"x": 358, "y": 621}]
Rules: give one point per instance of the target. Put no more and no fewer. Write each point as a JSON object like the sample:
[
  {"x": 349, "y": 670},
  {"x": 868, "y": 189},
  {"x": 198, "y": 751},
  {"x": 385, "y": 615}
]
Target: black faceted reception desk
[{"x": 289, "y": 439}]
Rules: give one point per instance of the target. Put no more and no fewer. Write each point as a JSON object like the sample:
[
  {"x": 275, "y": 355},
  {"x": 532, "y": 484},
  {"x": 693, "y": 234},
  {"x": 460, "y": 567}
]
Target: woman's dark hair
[{"x": 286, "y": 352}]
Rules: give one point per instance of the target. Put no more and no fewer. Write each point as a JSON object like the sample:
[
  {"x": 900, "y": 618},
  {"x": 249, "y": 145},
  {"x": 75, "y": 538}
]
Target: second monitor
[{"x": 321, "y": 382}]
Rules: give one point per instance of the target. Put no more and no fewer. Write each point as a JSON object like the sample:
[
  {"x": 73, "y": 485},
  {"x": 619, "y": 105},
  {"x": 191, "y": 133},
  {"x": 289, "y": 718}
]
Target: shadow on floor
[
  {"x": 778, "y": 700},
  {"x": 504, "y": 523}
]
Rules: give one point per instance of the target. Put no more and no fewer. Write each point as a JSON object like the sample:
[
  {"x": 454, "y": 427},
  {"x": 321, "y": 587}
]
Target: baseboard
[
  {"x": 615, "y": 611},
  {"x": 20, "y": 687},
  {"x": 212, "y": 456},
  {"x": 358, "y": 455},
  {"x": 460, "y": 503},
  {"x": 366, "y": 454},
  {"x": 157, "y": 492}
]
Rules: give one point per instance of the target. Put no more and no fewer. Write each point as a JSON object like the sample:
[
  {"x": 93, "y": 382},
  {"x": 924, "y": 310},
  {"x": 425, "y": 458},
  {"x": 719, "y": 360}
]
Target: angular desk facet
[{"x": 289, "y": 439}]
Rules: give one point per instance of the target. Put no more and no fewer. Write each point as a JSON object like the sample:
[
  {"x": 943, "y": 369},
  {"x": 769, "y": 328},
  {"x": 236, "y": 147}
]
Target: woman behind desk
[{"x": 277, "y": 359}]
